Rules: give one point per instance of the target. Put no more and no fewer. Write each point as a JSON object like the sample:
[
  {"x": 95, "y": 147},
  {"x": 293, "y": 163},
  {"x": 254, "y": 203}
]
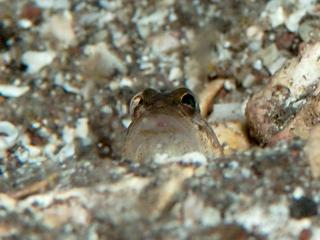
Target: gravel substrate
[{"x": 67, "y": 72}]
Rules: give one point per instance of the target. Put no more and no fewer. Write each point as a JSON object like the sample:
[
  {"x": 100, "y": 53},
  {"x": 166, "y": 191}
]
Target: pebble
[
  {"x": 60, "y": 28},
  {"x": 146, "y": 24},
  {"x": 249, "y": 81},
  {"x": 13, "y": 91},
  {"x": 227, "y": 112},
  {"x": 35, "y": 60},
  {"x": 7, "y": 202},
  {"x": 275, "y": 14},
  {"x": 125, "y": 82},
  {"x": 102, "y": 61},
  {"x": 255, "y": 33},
  {"x": 298, "y": 192},
  {"x": 293, "y": 20},
  {"x": 53, "y": 4},
  {"x": 303, "y": 207},
  {"x": 165, "y": 43},
  {"x": 229, "y": 85},
  {"x": 175, "y": 74},
  {"x": 9, "y": 135},
  {"x": 82, "y": 130},
  {"x": 278, "y": 13},
  {"x": 272, "y": 58},
  {"x": 307, "y": 67},
  {"x": 189, "y": 158},
  {"x": 289, "y": 87},
  {"x": 309, "y": 30},
  {"x": 24, "y": 23},
  {"x": 210, "y": 217},
  {"x": 312, "y": 151}
]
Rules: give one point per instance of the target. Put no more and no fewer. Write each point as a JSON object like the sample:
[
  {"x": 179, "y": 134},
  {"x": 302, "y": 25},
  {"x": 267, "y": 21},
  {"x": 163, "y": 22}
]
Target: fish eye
[
  {"x": 135, "y": 102},
  {"x": 189, "y": 100}
]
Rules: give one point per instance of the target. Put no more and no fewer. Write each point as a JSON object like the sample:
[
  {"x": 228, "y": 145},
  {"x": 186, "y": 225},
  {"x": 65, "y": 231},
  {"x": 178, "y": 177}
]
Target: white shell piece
[
  {"x": 9, "y": 135},
  {"x": 12, "y": 91},
  {"x": 37, "y": 60},
  {"x": 227, "y": 112}
]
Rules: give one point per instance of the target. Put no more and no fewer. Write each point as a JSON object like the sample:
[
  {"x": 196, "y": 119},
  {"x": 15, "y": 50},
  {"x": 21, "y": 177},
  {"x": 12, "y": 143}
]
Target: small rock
[
  {"x": 248, "y": 81},
  {"x": 24, "y": 23},
  {"x": 255, "y": 32},
  {"x": 298, "y": 192},
  {"x": 7, "y": 203},
  {"x": 278, "y": 13},
  {"x": 309, "y": 30},
  {"x": 60, "y": 28},
  {"x": 165, "y": 43},
  {"x": 229, "y": 85},
  {"x": 12, "y": 91},
  {"x": 8, "y": 135},
  {"x": 103, "y": 62},
  {"x": 274, "y": 13},
  {"x": 146, "y": 24},
  {"x": 269, "y": 111},
  {"x": 193, "y": 158},
  {"x": 232, "y": 136},
  {"x": 303, "y": 207},
  {"x": 175, "y": 74},
  {"x": 54, "y": 4},
  {"x": 82, "y": 130},
  {"x": 37, "y": 60},
  {"x": 272, "y": 58},
  {"x": 225, "y": 231},
  {"x": 312, "y": 151},
  {"x": 292, "y": 22},
  {"x": 228, "y": 112}
]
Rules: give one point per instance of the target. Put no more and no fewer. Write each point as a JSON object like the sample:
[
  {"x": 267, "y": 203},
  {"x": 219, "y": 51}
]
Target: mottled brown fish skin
[{"x": 167, "y": 123}]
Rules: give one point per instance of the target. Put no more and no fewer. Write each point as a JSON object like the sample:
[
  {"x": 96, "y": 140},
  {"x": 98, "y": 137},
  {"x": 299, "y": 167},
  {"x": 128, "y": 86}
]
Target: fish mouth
[{"x": 162, "y": 123}]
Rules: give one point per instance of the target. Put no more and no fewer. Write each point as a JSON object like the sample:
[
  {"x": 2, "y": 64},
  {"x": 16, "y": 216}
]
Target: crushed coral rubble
[{"x": 67, "y": 72}]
